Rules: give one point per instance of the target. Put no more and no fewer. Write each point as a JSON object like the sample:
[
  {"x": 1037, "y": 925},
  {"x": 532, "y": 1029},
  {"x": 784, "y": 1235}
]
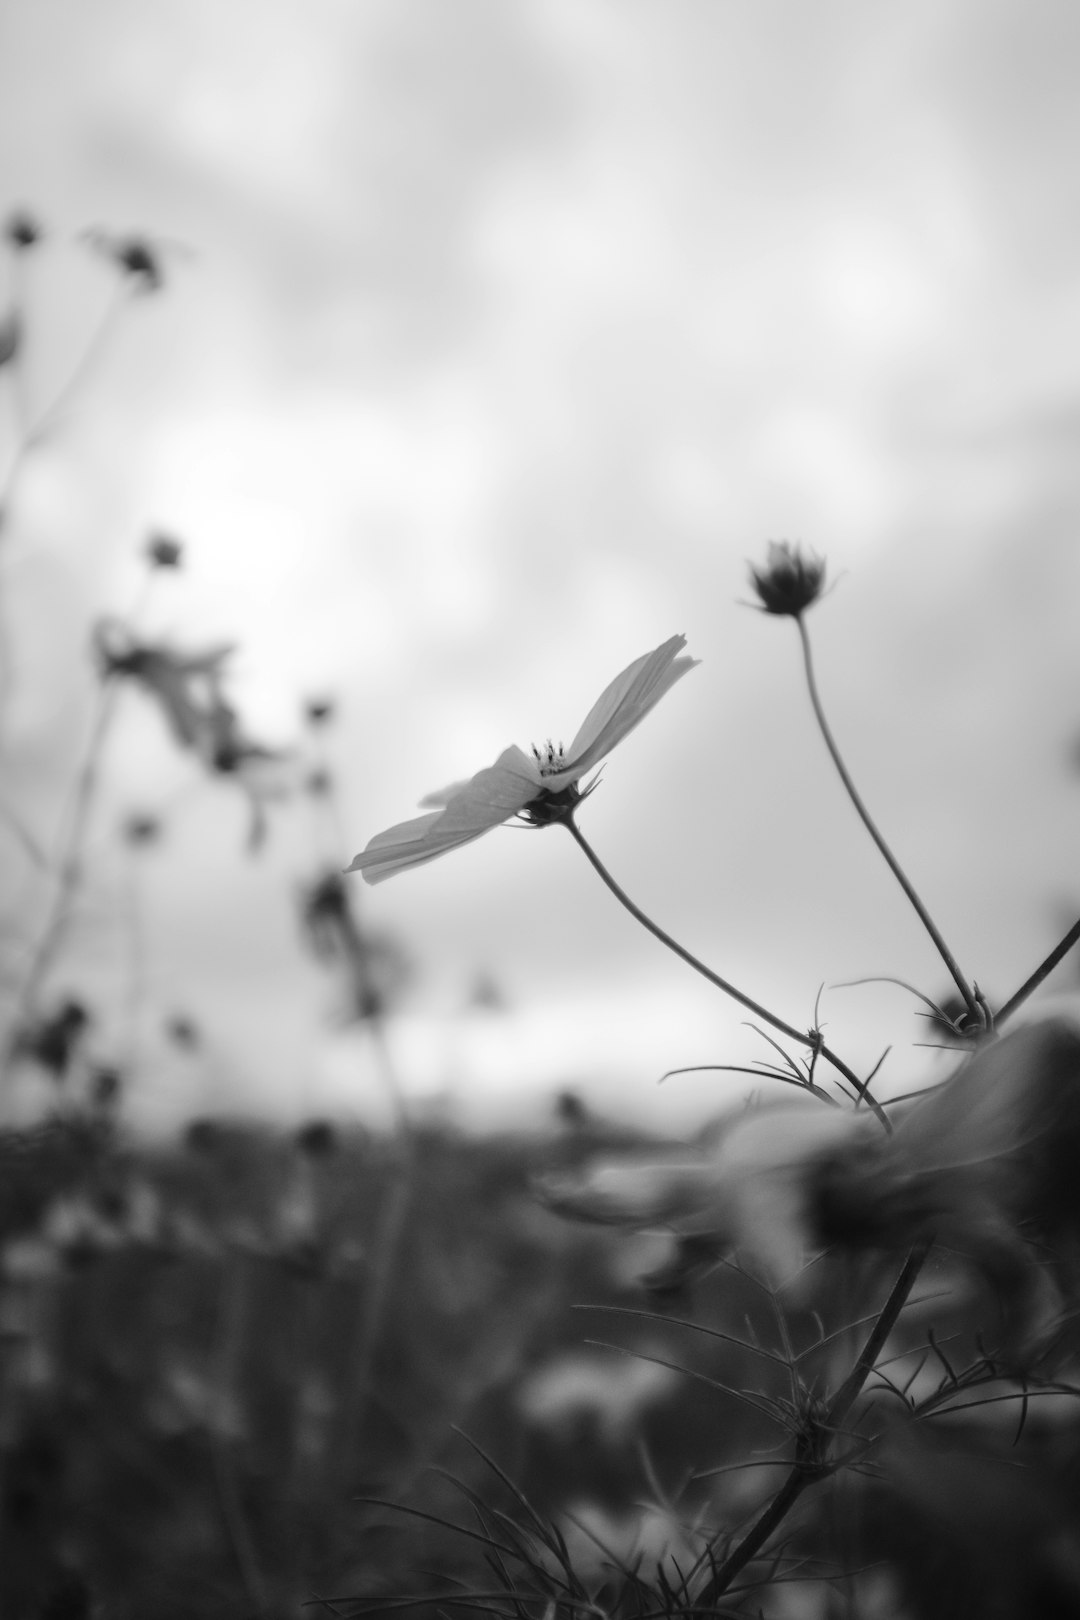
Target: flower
[
  {"x": 542, "y": 789},
  {"x": 162, "y": 551},
  {"x": 790, "y": 580},
  {"x": 22, "y": 229},
  {"x": 189, "y": 687},
  {"x": 135, "y": 256}
]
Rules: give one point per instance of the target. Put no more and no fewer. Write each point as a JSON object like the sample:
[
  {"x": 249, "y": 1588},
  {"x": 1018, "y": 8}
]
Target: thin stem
[
  {"x": 805, "y": 1473},
  {"x": 70, "y": 866},
  {"x": 232, "y": 1313},
  {"x": 70, "y": 871},
  {"x": 95, "y": 346},
  {"x": 29, "y": 435},
  {"x": 810, "y": 1038},
  {"x": 1042, "y": 972},
  {"x": 970, "y": 999}
]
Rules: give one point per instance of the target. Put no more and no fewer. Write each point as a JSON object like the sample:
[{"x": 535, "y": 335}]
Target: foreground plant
[{"x": 982, "y": 1167}]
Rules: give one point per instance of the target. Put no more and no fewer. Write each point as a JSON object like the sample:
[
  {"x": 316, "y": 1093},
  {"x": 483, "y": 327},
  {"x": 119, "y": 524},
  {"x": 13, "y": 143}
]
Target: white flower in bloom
[{"x": 542, "y": 788}]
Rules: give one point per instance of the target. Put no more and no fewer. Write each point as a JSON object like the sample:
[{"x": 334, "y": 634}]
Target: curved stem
[
  {"x": 70, "y": 860},
  {"x": 970, "y": 999},
  {"x": 69, "y": 876},
  {"x": 805, "y": 1473},
  {"x": 810, "y": 1038},
  {"x": 1043, "y": 971},
  {"x": 30, "y": 434}
]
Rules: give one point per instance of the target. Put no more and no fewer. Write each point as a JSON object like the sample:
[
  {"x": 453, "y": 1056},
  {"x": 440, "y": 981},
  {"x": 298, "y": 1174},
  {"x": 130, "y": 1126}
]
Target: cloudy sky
[{"x": 496, "y": 336}]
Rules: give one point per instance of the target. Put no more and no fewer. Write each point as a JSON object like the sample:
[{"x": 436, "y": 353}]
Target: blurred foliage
[{"x": 187, "y": 1426}]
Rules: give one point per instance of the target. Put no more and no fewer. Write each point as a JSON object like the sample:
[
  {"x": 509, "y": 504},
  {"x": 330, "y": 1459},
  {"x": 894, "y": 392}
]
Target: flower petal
[
  {"x": 621, "y": 706},
  {"x": 494, "y": 794},
  {"x": 473, "y": 808},
  {"x": 411, "y": 843}
]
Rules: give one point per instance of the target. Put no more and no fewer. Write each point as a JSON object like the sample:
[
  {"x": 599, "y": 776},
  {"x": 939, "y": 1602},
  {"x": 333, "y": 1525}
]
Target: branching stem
[
  {"x": 807, "y": 1472},
  {"x": 809, "y": 1038}
]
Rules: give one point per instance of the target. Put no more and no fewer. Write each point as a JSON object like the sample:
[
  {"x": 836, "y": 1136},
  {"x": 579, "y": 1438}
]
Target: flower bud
[
  {"x": 22, "y": 229},
  {"x": 790, "y": 580},
  {"x": 162, "y": 551}
]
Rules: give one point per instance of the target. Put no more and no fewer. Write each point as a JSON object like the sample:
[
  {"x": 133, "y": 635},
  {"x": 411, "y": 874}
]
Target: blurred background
[{"x": 484, "y": 345}]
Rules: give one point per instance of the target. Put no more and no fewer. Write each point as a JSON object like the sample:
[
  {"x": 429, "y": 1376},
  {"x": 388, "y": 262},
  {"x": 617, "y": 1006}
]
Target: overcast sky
[{"x": 496, "y": 336}]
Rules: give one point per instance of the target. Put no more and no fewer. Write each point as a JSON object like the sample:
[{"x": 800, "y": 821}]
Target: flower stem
[
  {"x": 69, "y": 864},
  {"x": 810, "y": 1038},
  {"x": 69, "y": 878},
  {"x": 1043, "y": 971},
  {"x": 805, "y": 1472},
  {"x": 970, "y": 999}
]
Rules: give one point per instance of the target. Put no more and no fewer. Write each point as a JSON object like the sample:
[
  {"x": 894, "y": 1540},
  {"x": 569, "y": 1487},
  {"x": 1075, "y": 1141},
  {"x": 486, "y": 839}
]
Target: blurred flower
[
  {"x": 753, "y": 1190},
  {"x": 188, "y": 686},
  {"x": 183, "y": 1032},
  {"x": 543, "y": 789},
  {"x": 189, "y": 689},
  {"x": 52, "y": 1040},
  {"x": 790, "y": 580},
  {"x": 319, "y": 783},
  {"x": 141, "y": 828},
  {"x": 106, "y": 1084},
  {"x": 374, "y": 966},
  {"x": 163, "y": 551},
  {"x": 22, "y": 229},
  {"x": 135, "y": 256},
  {"x": 319, "y": 711}
]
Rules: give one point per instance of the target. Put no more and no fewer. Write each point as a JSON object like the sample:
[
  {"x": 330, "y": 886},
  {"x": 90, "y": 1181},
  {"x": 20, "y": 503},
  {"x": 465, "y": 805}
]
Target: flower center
[{"x": 549, "y": 759}]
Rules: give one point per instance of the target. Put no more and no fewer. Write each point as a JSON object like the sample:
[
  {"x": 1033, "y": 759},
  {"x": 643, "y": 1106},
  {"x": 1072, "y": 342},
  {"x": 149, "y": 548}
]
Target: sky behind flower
[{"x": 495, "y": 340}]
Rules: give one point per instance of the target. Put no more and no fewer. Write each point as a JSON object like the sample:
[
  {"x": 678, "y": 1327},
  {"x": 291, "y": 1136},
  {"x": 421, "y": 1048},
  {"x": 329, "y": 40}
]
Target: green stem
[
  {"x": 811, "y": 1038},
  {"x": 970, "y": 999}
]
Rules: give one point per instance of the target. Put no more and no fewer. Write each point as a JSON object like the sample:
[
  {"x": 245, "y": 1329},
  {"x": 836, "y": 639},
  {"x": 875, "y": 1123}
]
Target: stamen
[{"x": 550, "y": 759}]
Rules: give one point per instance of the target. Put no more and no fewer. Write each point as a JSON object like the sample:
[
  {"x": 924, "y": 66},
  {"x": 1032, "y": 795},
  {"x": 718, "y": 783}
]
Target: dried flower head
[
  {"x": 51, "y": 1040},
  {"x": 189, "y": 688},
  {"x": 22, "y": 229},
  {"x": 790, "y": 581},
  {"x": 162, "y": 551},
  {"x": 319, "y": 711},
  {"x": 136, "y": 257},
  {"x": 140, "y": 829},
  {"x": 183, "y": 1032}
]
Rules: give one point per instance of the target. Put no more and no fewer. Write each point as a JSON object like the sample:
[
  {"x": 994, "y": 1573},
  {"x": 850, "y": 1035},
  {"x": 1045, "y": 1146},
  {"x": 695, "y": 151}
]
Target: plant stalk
[
  {"x": 970, "y": 999},
  {"x": 811, "y": 1038},
  {"x": 814, "y": 1468},
  {"x": 1043, "y": 971}
]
